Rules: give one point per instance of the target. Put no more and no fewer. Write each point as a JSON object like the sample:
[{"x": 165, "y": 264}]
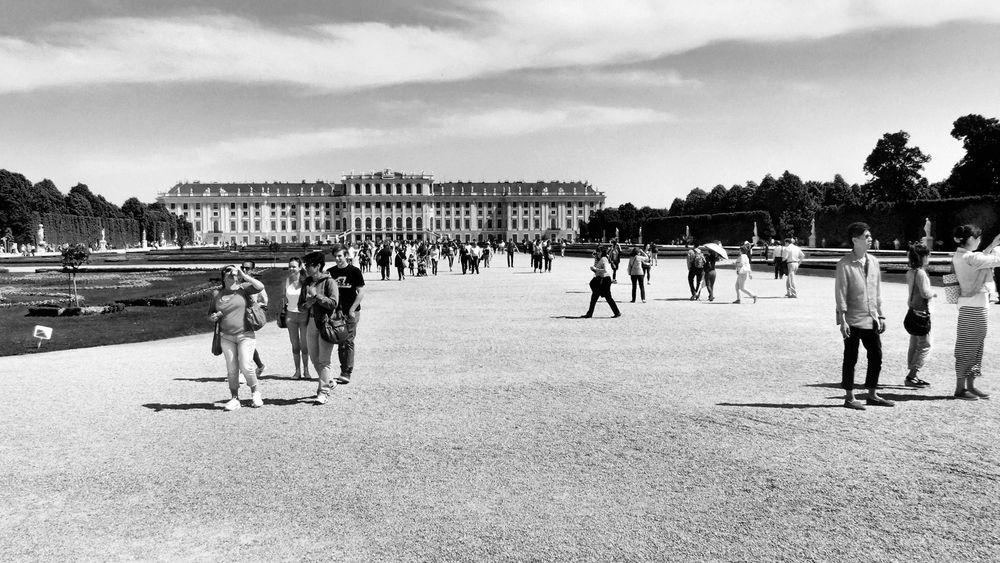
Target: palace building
[{"x": 382, "y": 205}]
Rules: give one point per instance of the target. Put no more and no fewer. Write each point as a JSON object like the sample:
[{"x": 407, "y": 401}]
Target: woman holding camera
[{"x": 228, "y": 309}]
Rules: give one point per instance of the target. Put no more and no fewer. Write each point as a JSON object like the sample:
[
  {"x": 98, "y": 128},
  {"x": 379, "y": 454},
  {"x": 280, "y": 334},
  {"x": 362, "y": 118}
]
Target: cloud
[
  {"x": 502, "y": 122},
  {"x": 506, "y": 35}
]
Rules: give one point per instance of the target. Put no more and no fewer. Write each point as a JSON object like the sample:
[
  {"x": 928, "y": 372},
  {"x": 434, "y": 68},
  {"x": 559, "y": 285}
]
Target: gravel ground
[{"x": 485, "y": 424}]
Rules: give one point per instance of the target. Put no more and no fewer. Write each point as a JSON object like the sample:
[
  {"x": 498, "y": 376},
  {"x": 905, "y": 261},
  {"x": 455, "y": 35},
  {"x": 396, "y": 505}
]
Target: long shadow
[
  {"x": 859, "y": 386},
  {"x": 900, "y": 397},
  {"x": 223, "y": 379},
  {"x": 567, "y": 317},
  {"x": 779, "y": 405},
  {"x": 160, "y": 407},
  {"x": 584, "y": 292},
  {"x": 673, "y": 299}
]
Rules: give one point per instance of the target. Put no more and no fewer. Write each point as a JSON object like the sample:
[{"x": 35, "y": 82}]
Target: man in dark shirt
[{"x": 350, "y": 283}]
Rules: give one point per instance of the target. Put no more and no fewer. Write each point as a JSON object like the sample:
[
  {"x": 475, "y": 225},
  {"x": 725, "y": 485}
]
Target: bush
[{"x": 729, "y": 228}]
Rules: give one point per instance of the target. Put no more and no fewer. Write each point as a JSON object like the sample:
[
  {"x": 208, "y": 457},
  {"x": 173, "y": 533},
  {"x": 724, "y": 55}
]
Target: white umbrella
[{"x": 716, "y": 249}]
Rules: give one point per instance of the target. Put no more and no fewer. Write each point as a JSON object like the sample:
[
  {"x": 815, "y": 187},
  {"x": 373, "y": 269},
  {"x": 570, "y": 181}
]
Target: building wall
[{"x": 380, "y": 205}]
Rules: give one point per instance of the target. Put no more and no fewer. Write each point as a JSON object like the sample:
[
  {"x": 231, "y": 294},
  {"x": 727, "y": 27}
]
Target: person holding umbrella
[{"x": 713, "y": 253}]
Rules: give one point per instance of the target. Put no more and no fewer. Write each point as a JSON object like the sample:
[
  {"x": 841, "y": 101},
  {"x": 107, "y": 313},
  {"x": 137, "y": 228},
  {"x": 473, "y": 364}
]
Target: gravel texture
[{"x": 484, "y": 424}]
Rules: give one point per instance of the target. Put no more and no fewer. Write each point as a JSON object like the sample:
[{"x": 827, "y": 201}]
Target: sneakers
[
  {"x": 233, "y": 404},
  {"x": 854, "y": 405},
  {"x": 643, "y": 300},
  {"x": 321, "y": 399},
  {"x": 258, "y": 400},
  {"x": 915, "y": 382},
  {"x": 343, "y": 379},
  {"x": 737, "y": 302},
  {"x": 966, "y": 396},
  {"x": 260, "y": 370}
]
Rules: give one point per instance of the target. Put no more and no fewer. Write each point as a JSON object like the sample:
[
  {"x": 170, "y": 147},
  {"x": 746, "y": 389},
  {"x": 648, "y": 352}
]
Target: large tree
[
  {"x": 695, "y": 202},
  {"x": 16, "y": 213},
  {"x": 978, "y": 172},
  {"x": 895, "y": 168}
]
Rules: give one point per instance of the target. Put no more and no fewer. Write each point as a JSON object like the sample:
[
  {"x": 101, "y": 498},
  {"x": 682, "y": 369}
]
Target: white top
[
  {"x": 292, "y": 298},
  {"x": 974, "y": 272}
]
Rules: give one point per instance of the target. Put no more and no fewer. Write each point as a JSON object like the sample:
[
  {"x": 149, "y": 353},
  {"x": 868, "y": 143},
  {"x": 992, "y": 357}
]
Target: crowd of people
[{"x": 314, "y": 297}]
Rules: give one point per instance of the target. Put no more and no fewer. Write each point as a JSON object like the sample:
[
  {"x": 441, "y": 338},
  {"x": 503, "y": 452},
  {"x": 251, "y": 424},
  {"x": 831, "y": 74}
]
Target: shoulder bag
[
  {"x": 335, "y": 328},
  {"x": 217, "y": 342},
  {"x": 916, "y": 322},
  {"x": 952, "y": 290},
  {"x": 255, "y": 317}
]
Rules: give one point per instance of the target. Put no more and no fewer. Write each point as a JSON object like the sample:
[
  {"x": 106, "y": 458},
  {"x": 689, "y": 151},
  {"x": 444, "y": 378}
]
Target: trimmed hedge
[
  {"x": 61, "y": 228},
  {"x": 905, "y": 221},
  {"x": 728, "y": 228}
]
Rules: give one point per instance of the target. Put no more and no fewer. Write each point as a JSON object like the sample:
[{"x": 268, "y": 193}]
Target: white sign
[{"x": 42, "y": 333}]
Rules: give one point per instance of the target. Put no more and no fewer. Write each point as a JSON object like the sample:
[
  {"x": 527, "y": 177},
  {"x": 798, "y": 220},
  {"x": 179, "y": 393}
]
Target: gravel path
[{"x": 485, "y": 425}]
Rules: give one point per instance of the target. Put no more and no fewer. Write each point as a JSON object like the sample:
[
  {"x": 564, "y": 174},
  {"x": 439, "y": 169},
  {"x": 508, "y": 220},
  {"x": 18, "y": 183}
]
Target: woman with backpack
[{"x": 229, "y": 309}]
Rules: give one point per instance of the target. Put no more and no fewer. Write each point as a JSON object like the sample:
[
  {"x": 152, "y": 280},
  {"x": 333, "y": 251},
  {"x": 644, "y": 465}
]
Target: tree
[
  {"x": 978, "y": 172},
  {"x": 74, "y": 256},
  {"x": 77, "y": 204},
  {"x": 895, "y": 170},
  {"x": 695, "y": 202},
  {"x": 716, "y": 201},
  {"x": 839, "y": 192},
  {"x": 15, "y": 209},
  {"x": 275, "y": 248},
  {"x": 678, "y": 207},
  {"x": 46, "y": 198}
]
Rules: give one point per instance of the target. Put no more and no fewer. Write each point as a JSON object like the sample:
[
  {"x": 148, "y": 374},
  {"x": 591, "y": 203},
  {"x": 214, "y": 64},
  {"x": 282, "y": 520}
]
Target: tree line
[
  {"x": 895, "y": 175},
  {"x": 22, "y": 203}
]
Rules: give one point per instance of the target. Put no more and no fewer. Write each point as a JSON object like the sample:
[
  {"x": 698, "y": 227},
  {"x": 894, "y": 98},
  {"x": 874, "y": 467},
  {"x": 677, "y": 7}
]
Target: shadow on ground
[
  {"x": 160, "y": 407},
  {"x": 778, "y": 405}
]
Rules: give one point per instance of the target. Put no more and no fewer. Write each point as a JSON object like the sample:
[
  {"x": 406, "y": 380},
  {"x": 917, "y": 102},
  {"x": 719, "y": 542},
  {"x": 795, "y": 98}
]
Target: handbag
[
  {"x": 335, "y": 329},
  {"x": 916, "y": 322},
  {"x": 952, "y": 290},
  {"x": 283, "y": 317},
  {"x": 217, "y": 342},
  {"x": 255, "y": 317}
]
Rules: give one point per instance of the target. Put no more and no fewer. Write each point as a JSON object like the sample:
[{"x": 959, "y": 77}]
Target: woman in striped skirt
[{"x": 973, "y": 270}]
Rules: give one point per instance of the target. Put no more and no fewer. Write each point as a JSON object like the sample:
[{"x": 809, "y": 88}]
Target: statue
[
  {"x": 928, "y": 239},
  {"x": 163, "y": 239},
  {"x": 102, "y": 244},
  {"x": 812, "y": 234},
  {"x": 41, "y": 235},
  {"x": 144, "y": 238}
]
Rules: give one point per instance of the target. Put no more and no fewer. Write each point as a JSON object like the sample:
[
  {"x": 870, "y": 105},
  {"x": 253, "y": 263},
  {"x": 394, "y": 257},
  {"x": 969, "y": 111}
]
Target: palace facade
[{"x": 381, "y": 205}]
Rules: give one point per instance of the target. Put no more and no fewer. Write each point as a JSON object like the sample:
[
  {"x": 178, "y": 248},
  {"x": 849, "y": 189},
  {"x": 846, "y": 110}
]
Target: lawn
[
  {"x": 485, "y": 423},
  {"x": 135, "y": 324}
]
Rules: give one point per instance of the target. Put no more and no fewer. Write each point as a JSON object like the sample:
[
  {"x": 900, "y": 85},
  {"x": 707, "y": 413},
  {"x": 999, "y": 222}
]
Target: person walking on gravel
[
  {"x": 319, "y": 299},
  {"x": 858, "y": 296},
  {"x": 350, "y": 287},
  {"x": 600, "y": 285},
  {"x": 228, "y": 309}
]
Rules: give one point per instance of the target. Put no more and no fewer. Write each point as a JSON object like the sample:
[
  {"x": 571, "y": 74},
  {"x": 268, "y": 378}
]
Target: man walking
[
  {"x": 511, "y": 249},
  {"x": 857, "y": 290},
  {"x": 793, "y": 257},
  {"x": 350, "y": 283},
  {"x": 779, "y": 261}
]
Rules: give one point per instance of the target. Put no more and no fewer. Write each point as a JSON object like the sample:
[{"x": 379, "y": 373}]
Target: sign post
[{"x": 42, "y": 333}]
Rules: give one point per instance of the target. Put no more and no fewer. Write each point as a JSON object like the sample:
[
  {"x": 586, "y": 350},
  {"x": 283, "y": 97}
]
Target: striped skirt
[{"x": 969, "y": 341}]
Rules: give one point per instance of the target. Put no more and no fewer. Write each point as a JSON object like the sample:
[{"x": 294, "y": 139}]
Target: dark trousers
[
  {"x": 345, "y": 350},
  {"x": 401, "y": 271},
  {"x": 473, "y": 265},
  {"x": 510, "y": 260},
  {"x": 779, "y": 267},
  {"x": 710, "y": 283},
  {"x": 640, "y": 281},
  {"x": 384, "y": 270},
  {"x": 873, "y": 345},
  {"x": 694, "y": 280},
  {"x": 465, "y": 264},
  {"x": 601, "y": 287},
  {"x": 434, "y": 267}
]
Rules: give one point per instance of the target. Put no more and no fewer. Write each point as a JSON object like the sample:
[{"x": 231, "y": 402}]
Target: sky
[{"x": 643, "y": 99}]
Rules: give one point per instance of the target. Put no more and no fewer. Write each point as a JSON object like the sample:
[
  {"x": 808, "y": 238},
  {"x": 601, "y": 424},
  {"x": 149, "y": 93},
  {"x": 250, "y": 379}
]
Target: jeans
[
  {"x": 638, "y": 280},
  {"x": 510, "y": 260},
  {"x": 916, "y": 355},
  {"x": 383, "y": 269},
  {"x": 601, "y": 287},
  {"x": 297, "y": 337},
  {"x": 779, "y": 269},
  {"x": 345, "y": 351},
  {"x": 238, "y": 351},
  {"x": 321, "y": 354},
  {"x": 873, "y": 345},
  {"x": 434, "y": 267}
]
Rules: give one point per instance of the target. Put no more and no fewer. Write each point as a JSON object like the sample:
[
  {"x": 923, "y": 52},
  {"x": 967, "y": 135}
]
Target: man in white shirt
[
  {"x": 793, "y": 256},
  {"x": 779, "y": 261}
]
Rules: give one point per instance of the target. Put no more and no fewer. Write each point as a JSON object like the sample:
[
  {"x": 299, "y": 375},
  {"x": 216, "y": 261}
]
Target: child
[
  {"x": 413, "y": 263},
  {"x": 919, "y": 285}
]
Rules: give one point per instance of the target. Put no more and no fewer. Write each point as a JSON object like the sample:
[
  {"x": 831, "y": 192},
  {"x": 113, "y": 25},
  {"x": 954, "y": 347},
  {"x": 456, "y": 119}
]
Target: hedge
[
  {"x": 728, "y": 228},
  {"x": 120, "y": 233},
  {"x": 905, "y": 221}
]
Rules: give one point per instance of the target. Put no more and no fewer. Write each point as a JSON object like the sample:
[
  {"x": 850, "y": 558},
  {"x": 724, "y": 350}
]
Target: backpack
[{"x": 699, "y": 260}]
